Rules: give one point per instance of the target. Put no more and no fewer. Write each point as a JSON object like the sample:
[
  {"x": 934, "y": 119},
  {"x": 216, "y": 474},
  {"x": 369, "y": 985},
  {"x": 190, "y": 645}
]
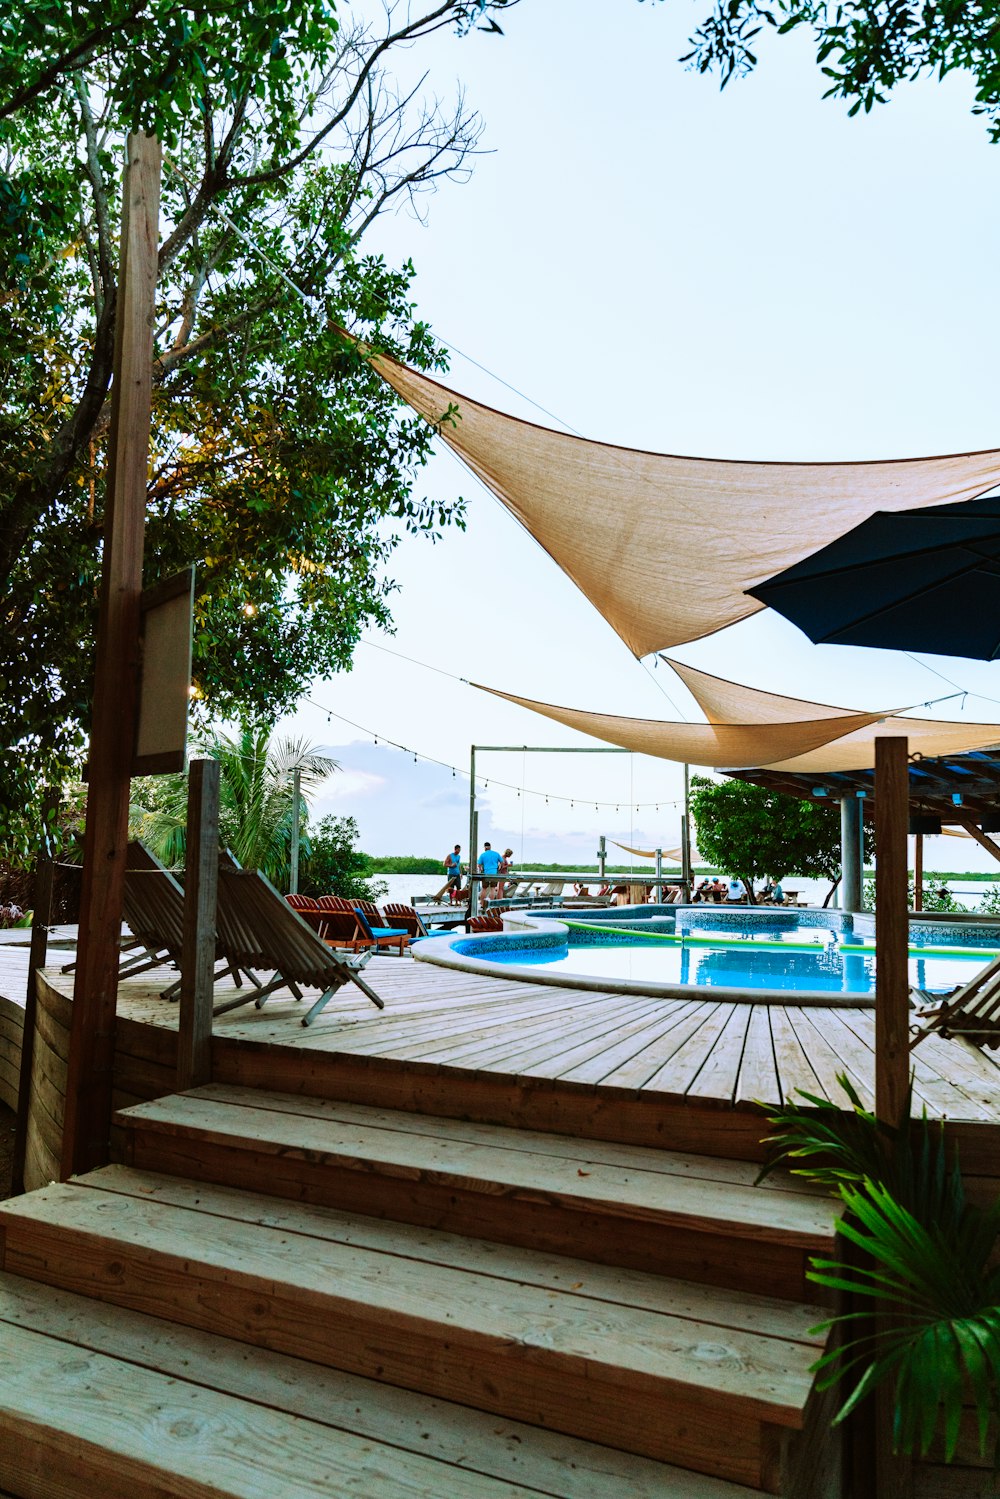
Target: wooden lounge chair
[
  {"x": 310, "y": 911},
  {"x": 379, "y": 936},
  {"x": 154, "y": 913},
  {"x": 405, "y": 916},
  {"x": 972, "y": 1011},
  {"x": 340, "y": 929},
  {"x": 259, "y": 929},
  {"x": 491, "y": 922}
]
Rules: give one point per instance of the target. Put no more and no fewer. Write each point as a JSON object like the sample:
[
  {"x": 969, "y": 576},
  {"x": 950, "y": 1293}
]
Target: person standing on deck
[
  {"x": 489, "y": 864},
  {"x": 453, "y": 869}
]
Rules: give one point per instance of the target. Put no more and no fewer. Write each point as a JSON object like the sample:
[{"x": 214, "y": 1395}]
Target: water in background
[{"x": 403, "y": 887}]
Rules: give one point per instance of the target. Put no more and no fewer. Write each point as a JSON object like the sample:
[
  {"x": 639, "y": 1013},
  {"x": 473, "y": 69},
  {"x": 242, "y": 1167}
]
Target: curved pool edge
[{"x": 440, "y": 951}]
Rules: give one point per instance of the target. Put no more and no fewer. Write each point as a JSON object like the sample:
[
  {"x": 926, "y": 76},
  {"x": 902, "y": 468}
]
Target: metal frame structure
[{"x": 475, "y": 880}]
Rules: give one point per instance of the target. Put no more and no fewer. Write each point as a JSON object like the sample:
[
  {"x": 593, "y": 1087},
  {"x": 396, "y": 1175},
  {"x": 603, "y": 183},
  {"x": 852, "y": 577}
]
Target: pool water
[{"x": 786, "y": 960}]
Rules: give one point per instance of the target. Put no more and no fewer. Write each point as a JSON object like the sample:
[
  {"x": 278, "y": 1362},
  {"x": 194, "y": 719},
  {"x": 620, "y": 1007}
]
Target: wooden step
[
  {"x": 99, "y": 1401},
  {"x": 694, "y": 1375},
  {"x": 689, "y": 1216}
]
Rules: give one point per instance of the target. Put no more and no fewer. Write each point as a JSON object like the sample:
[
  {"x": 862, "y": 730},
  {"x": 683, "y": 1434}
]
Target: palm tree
[{"x": 255, "y": 799}]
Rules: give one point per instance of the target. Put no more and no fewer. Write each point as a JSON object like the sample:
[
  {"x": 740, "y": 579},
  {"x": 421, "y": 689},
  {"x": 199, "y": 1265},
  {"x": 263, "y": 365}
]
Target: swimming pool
[{"x": 818, "y": 957}]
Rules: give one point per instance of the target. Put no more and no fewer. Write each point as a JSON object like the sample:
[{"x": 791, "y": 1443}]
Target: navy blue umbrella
[{"x": 917, "y": 580}]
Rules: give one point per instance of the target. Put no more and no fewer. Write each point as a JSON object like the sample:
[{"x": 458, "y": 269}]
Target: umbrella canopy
[{"x": 915, "y": 580}]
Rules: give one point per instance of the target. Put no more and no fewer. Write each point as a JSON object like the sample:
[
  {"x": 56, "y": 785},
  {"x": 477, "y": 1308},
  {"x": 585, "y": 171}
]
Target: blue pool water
[{"x": 762, "y": 956}]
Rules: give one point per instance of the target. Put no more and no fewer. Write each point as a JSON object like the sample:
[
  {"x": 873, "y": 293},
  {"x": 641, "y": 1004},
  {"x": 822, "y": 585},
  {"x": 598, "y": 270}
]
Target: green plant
[
  {"x": 929, "y": 1264},
  {"x": 336, "y": 866},
  {"x": 255, "y": 800},
  {"x": 753, "y": 832},
  {"x": 936, "y": 897}
]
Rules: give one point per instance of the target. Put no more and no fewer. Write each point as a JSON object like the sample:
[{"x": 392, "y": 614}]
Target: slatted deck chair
[
  {"x": 259, "y": 929},
  {"x": 972, "y": 1011},
  {"x": 405, "y": 916},
  {"x": 154, "y": 913}
]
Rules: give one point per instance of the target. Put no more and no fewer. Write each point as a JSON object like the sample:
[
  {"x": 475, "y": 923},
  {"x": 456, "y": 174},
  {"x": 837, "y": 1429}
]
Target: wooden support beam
[
  {"x": 918, "y": 871},
  {"x": 116, "y": 677},
  {"x": 201, "y": 883},
  {"x": 892, "y": 990},
  {"x": 41, "y": 915},
  {"x": 982, "y": 839},
  {"x": 892, "y": 1020}
]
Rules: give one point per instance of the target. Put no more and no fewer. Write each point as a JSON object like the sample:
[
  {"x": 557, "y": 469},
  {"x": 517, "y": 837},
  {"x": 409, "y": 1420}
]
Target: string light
[{"x": 548, "y": 796}]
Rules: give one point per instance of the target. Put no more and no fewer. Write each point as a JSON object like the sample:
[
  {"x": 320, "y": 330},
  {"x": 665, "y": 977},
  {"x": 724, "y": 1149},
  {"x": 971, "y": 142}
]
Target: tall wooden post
[
  {"x": 892, "y": 990},
  {"x": 41, "y": 915},
  {"x": 918, "y": 871},
  {"x": 116, "y": 678},
  {"x": 892, "y": 1012},
  {"x": 201, "y": 884}
]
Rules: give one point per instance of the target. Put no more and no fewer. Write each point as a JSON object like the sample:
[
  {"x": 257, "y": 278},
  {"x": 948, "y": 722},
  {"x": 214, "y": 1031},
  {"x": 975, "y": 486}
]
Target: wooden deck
[
  {"x": 698, "y": 1050},
  {"x": 686, "y": 1074}
]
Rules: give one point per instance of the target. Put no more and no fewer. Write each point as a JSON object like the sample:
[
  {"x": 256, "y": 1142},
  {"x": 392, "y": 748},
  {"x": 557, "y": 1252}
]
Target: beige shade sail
[
  {"x": 733, "y": 746},
  {"x": 722, "y": 701},
  {"x": 668, "y": 855},
  {"x": 665, "y": 546}
]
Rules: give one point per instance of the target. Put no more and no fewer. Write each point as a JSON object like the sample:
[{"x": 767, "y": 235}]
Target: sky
[{"x": 655, "y": 263}]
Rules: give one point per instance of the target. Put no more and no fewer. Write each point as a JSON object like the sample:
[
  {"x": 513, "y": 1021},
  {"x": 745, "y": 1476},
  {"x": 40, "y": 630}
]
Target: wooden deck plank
[
  {"x": 710, "y": 1400},
  {"x": 497, "y": 1163},
  {"x": 676, "y": 1076},
  {"x": 758, "y": 1076},
  {"x": 581, "y": 1152},
  {"x": 721, "y": 1066},
  {"x": 119, "y": 1444},
  {"x": 826, "y": 1061},
  {"x": 451, "y": 1436},
  {"x": 598, "y": 1068},
  {"x": 638, "y": 1071},
  {"x": 795, "y": 1071},
  {"x": 470, "y": 1269}
]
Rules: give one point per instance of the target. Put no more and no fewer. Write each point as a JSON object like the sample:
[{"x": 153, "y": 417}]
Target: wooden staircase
[{"x": 276, "y": 1295}]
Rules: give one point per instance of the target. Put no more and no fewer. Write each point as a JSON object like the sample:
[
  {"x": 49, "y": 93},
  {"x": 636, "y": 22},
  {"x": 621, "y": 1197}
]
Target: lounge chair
[
  {"x": 154, "y": 914},
  {"x": 310, "y": 911},
  {"x": 377, "y": 935},
  {"x": 340, "y": 929},
  {"x": 405, "y": 916},
  {"x": 259, "y": 929},
  {"x": 972, "y": 1011},
  {"x": 491, "y": 922},
  {"x": 552, "y": 893}
]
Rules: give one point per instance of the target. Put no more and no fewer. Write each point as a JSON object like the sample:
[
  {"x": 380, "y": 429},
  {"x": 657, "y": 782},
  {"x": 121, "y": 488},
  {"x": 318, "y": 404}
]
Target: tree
[
  {"x": 336, "y": 866},
  {"x": 864, "y": 49},
  {"x": 754, "y": 832},
  {"x": 281, "y": 465},
  {"x": 255, "y": 800}
]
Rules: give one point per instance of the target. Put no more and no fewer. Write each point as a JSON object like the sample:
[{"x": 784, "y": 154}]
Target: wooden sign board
[{"x": 165, "y": 677}]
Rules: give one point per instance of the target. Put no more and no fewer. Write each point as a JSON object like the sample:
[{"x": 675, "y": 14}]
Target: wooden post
[
  {"x": 201, "y": 883},
  {"x": 918, "y": 871},
  {"x": 116, "y": 677},
  {"x": 892, "y": 1011},
  {"x": 41, "y": 914},
  {"x": 892, "y": 990}
]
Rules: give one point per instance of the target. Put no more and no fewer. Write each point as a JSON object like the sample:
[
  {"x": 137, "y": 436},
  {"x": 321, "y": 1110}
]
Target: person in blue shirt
[
  {"x": 453, "y": 869},
  {"x": 489, "y": 863}
]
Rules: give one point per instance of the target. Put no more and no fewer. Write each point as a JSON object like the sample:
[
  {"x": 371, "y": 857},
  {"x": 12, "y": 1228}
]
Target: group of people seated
[{"x": 734, "y": 892}]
